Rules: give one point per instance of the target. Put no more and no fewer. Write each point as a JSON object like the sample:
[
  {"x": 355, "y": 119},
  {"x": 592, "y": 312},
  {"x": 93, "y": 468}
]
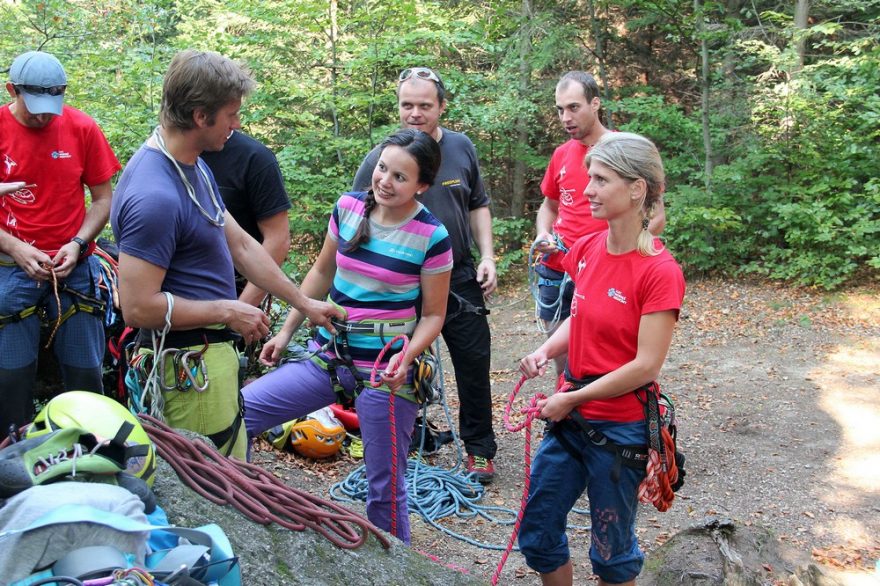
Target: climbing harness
[
  {"x": 464, "y": 306},
  {"x": 536, "y": 281},
  {"x": 81, "y": 302}
]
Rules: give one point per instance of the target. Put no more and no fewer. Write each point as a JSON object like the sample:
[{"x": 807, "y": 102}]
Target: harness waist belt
[
  {"x": 185, "y": 338},
  {"x": 375, "y": 328}
]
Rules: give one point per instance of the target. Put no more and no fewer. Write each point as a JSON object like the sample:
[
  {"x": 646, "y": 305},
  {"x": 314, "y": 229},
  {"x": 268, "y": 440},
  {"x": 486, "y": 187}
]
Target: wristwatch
[{"x": 83, "y": 245}]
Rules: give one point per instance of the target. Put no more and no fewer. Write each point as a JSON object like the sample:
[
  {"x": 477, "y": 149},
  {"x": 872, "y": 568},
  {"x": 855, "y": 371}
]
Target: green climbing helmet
[{"x": 104, "y": 418}]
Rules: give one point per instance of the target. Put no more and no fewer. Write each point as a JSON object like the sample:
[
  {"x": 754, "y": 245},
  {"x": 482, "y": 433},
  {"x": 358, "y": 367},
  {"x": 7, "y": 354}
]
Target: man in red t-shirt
[
  {"x": 564, "y": 216},
  {"x": 49, "y": 151}
]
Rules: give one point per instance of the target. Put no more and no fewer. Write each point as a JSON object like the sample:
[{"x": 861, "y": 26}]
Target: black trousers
[{"x": 469, "y": 342}]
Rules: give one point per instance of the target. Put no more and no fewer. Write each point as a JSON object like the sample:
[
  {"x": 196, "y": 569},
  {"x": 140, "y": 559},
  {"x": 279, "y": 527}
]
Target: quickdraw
[{"x": 186, "y": 365}]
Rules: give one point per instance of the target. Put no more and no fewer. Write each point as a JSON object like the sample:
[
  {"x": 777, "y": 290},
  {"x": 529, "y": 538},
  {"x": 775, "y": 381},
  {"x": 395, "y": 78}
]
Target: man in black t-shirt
[
  {"x": 252, "y": 188},
  {"x": 459, "y": 200}
]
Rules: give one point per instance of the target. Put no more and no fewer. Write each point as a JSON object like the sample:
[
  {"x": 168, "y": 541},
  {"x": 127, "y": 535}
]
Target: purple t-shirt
[{"x": 153, "y": 219}]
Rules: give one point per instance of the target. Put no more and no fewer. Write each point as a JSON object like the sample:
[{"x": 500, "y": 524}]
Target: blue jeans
[
  {"x": 558, "y": 480},
  {"x": 79, "y": 341},
  {"x": 295, "y": 389}
]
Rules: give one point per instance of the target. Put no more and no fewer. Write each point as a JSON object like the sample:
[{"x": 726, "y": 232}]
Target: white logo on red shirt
[
  {"x": 574, "y": 303},
  {"x": 616, "y": 295},
  {"x": 7, "y": 160},
  {"x": 566, "y": 196},
  {"x": 562, "y": 173}
]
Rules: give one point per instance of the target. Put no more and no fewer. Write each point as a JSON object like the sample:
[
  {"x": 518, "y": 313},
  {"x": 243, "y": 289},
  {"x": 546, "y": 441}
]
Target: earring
[{"x": 645, "y": 223}]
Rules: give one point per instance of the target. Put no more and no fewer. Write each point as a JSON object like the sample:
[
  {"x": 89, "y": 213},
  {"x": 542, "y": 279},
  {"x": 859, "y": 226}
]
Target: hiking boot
[{"x": 481, "y": 468}]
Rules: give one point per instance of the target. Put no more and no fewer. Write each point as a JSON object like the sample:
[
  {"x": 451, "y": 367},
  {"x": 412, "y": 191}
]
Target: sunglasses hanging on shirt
[{"x": 218, "y": 219}]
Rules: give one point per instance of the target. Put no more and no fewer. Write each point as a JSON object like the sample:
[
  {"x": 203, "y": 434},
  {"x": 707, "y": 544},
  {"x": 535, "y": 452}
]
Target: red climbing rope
[
  {"x": 255, "y": 492},
  {"x": 375, "y": 382},
  {"x": 531, "y": 412}
]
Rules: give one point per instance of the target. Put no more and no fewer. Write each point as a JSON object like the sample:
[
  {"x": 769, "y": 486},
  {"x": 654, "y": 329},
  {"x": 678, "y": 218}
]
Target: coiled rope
[
  {"x": 661, "y": 474},
  {"x": 534, "y": 287},
  {"x": 255, "y": 492}
]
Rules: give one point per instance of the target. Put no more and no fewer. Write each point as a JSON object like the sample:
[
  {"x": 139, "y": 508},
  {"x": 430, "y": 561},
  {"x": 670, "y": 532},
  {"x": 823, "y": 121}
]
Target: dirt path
[{"x": 778, "y": 393}]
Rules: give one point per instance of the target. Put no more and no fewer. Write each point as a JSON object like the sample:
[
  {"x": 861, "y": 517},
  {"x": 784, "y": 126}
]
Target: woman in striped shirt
[{"x": 384, "y": 257}]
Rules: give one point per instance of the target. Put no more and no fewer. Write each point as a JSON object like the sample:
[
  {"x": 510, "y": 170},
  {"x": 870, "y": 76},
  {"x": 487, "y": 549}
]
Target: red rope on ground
[
  {"x": 255, "y": 492},
  {"x": 656, "y": 488},
  {"x": 531, "y": 412},
  {"x": 375, "y": 382}
]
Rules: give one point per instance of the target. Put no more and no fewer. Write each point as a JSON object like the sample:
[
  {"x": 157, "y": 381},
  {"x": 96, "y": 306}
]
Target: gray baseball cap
[{"x": 41, "y": 78}]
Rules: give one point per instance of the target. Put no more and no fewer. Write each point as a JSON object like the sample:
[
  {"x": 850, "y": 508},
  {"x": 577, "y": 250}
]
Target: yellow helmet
[{"x": 104, "y": 418}]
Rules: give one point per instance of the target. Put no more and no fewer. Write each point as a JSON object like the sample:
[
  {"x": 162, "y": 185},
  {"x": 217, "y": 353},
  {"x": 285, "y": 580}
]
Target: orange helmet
[{"x": 313, "y": 439}]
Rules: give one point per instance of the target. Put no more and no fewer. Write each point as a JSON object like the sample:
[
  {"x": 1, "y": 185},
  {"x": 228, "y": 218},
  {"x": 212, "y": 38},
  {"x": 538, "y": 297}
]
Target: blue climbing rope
[{"x": 435, "y": 492}]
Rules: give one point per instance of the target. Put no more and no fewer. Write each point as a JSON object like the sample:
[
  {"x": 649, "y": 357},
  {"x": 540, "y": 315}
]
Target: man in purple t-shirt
[{"x": 177, "y": 249}]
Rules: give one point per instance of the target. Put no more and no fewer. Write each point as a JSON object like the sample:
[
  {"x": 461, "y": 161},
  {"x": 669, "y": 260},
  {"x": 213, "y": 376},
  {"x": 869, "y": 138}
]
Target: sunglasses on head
[
  {"x": 419, "y": 72},
  {"x": 55, "y": 90}
]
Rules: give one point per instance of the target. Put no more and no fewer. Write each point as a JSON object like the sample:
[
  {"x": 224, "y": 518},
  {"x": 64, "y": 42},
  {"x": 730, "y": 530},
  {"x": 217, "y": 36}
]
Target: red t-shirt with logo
[
  {"x": 612, "y": 293},
  {"x": 59, "y": 159},
  {"x": 564, "y": 181}
]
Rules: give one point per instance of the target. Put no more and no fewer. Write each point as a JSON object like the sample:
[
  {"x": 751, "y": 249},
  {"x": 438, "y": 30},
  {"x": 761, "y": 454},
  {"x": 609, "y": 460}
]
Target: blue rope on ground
[{"x": 436, "y": 493}]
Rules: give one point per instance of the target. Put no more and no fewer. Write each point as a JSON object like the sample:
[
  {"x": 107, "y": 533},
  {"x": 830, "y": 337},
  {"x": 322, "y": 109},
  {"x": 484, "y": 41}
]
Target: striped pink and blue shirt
[{"x": 381, "y": 279}]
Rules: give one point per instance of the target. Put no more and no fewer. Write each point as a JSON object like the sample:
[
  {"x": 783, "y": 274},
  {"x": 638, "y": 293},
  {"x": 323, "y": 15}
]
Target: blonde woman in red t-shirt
[{"x": 628, "y": 292}]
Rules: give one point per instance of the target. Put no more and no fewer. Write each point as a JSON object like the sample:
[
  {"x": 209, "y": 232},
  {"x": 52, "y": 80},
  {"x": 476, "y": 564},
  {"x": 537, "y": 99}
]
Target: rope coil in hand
[{"x": 255, "y": 492}]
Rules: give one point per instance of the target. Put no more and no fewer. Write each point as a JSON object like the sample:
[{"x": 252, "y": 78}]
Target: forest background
[{"x": 767, "y": 113}]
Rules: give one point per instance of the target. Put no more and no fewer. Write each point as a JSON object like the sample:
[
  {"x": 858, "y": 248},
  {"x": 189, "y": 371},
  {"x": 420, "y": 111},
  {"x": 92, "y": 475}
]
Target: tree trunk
[
  {"x": 518, "y": 192},
  {"x": 334, "y": 65},
  {"x": 704, "y": 92},
  {"x": 600, "y": 57},
  {"x": 801, "y": 18}
]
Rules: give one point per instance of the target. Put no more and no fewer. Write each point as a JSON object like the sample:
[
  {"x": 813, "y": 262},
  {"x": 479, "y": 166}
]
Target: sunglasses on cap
[
  {"x": 419, "y": 72},
  {"x": 55, "y": 90}
]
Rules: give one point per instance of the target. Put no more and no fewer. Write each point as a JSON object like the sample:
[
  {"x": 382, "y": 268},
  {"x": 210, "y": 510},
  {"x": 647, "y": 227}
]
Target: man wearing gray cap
[{"x": 47, "y": 234}]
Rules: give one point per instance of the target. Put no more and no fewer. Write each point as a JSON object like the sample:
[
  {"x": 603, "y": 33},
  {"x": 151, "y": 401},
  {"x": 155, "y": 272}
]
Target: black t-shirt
[
  {"x": 457, "y": 190},
  {"x": 250, "y": 181}
]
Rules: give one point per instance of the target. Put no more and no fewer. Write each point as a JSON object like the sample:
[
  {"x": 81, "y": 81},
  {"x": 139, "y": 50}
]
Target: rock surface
[
  {"x": 271, "y": 555},
  {"x": 717, "y": 550}
]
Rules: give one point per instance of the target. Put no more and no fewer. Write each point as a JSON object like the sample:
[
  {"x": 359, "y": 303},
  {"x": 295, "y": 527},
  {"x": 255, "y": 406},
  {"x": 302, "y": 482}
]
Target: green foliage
[
  {"x": 510, "y": 234},
  {"x": 793, "y": 194}
]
